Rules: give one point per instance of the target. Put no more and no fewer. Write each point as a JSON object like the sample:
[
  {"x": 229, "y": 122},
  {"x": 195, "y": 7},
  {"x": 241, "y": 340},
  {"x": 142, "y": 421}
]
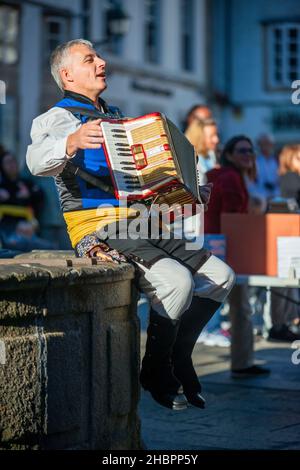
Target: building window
[
  {"x": 152, "y": 30},
  {"x": 86, "y": 11},
  {"x": 9, "y": 22},
  {"x": 116, "y": 42},
  {"x": 283, "y": 54},
  {"x": 56, "y": 32},
  {"x": 187, "y": 34}
]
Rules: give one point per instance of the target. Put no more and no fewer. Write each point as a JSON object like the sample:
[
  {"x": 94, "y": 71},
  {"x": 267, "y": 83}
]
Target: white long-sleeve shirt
[{"x": 47, "y": 155}]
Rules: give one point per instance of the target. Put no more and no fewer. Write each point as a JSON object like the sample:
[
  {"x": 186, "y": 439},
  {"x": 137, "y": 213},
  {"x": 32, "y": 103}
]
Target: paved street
[{"x": 259, "y": 413}]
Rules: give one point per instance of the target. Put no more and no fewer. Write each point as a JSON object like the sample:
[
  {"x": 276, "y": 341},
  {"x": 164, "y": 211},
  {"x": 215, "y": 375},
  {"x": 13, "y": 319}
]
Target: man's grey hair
[
  {"x": 265, "y": 136},
  {"x": 59, "y": 57}
]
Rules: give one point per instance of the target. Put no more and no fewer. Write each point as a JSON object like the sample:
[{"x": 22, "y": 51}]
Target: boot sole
[
  {"x": 174, "y": 406},
  {"x": 179, "y": 407}
]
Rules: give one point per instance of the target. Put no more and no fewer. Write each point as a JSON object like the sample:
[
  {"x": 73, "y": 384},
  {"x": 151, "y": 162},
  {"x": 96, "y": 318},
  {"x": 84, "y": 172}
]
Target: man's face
[
  {"x": 211, "y": 137},
  {"x": 266, "y": 146},
  {"x": 85, "y": 70},
  {"x": 202, "y": 113}
]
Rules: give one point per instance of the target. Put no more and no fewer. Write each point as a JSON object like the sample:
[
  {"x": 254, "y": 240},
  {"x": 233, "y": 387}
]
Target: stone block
[{"x": 69, "y": 357}]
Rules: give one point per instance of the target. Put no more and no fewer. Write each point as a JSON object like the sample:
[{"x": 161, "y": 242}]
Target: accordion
[{"x": 148, "y": 156}]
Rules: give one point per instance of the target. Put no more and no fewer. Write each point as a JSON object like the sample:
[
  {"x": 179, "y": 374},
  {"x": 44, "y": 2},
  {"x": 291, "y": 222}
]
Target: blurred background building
[
  {"x": 161, "y": 64},
  {"x": 240, "y": 57},
  {"x": 255, "y": 57}
]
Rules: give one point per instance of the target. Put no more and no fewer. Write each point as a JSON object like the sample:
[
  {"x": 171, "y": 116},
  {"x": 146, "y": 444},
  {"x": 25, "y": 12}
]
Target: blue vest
[{"x": 91, "y": 160}]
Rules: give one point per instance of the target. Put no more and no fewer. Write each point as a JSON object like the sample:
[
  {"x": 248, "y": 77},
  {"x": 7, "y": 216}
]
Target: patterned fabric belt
[{"x": 90, "y": 242}]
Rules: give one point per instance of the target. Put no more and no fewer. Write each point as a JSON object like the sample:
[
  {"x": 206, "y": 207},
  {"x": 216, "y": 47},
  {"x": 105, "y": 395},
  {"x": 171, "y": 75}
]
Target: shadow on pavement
[{"x": 260, "y": 413}]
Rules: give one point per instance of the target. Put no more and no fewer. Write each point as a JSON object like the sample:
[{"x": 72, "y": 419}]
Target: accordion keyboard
[
  {"x": 120, "y": 156},
  {"x": 139, "y": 155}
]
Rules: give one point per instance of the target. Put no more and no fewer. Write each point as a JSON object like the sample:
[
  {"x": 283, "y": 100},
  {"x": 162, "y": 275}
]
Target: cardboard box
[{"x": 252, "y": 240}]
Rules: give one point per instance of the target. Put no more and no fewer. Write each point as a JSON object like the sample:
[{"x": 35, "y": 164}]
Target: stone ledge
[
  {"x": 14, "y": 272},
  {"x": 70, "y": 348},
  {"x": 48, "y": 254}
]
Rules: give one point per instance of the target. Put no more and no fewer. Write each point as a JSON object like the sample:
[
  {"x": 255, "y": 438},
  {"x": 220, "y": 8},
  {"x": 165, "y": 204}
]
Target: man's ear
[{"x": 66, "y": 76}]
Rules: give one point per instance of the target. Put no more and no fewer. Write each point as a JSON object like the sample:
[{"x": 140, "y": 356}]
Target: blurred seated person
[
  {"x": 289, "y": 172},
  {"x": 229, "y": 194},
  {"x": 20, "y": 202},
  {"x": 266, "y": 183},
  {"x": 285, "y": 312},
  {"x": 203, "y": 135}
]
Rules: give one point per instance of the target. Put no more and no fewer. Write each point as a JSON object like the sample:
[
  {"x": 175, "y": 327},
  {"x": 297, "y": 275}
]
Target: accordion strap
[
  {"x": 103, "y": 182},
  {"x": 97, "y": 181},
  {"x": 93, "y": 113}
]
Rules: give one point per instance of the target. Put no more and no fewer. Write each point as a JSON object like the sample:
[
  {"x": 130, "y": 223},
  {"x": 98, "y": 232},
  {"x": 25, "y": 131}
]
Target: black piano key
[
  {"x": 122, "y": 131},
  {"x": 127, "y": 163},
  {"x": 123, "y": 154},
  {"x": 119, "y": 136}
]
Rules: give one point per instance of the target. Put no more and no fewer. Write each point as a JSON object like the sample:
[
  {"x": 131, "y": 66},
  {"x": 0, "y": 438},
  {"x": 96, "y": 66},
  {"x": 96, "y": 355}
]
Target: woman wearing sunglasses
[
  {"x": 229, "y": 194},
  {"x": 229, "y": 191}
]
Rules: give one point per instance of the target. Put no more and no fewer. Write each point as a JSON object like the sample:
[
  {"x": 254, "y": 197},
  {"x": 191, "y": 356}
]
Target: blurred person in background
[
  {"x": 266, "y": 183},
  {"x": 203, "y": 135},
  {"x": 285, "y": 312},
  {"x": 20, "y": 203},
  {"x": 201, "y": 130},
  {"x": 289, "y": 172},
  {"x": 229, "y": 195},
  {"x": 198, "y": 112}
]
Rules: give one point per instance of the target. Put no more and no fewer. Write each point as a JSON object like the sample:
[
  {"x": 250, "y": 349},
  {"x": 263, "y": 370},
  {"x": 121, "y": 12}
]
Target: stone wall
[{"x": 69, "y": 355}]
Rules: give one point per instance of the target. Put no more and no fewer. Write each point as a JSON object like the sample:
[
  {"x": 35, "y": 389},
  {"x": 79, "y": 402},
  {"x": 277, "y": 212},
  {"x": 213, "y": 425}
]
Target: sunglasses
[{"x": 245, "y": 150}]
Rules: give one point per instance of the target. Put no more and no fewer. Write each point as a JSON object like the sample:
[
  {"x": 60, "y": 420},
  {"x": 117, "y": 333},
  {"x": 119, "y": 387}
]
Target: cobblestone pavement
[{"x": 261, "y": 413}]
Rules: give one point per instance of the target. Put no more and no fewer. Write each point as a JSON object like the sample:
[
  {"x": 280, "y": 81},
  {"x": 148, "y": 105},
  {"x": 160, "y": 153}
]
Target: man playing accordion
[{"x": 184, "y": 286}]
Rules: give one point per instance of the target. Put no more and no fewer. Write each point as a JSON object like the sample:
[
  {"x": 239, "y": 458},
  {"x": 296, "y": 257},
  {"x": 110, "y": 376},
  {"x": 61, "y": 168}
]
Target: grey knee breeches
[{"x": 170, "y": 286}]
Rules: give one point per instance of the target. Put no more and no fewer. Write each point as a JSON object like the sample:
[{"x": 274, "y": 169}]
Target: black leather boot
[
  {"x": 157, "y": 370},
  {"x": 191, "y": 324}
]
